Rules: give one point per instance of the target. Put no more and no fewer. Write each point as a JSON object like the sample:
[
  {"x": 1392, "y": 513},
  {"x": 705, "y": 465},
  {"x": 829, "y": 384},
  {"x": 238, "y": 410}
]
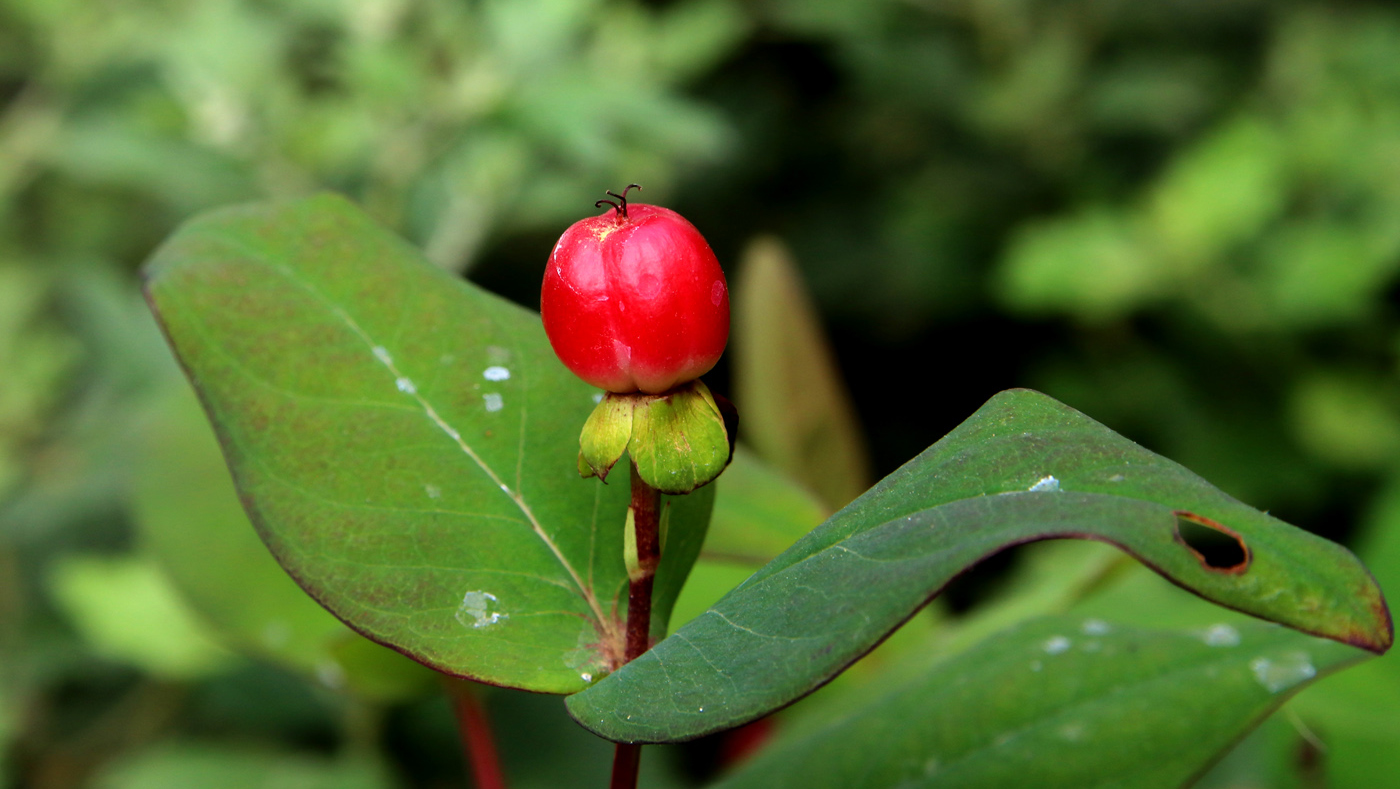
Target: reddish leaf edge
[{"x": 1377, "y": 646}]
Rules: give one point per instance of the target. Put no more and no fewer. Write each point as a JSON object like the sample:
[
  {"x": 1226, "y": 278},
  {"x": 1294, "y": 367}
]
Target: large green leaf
[
  {"x": 127, "y": 610},
  {"x": 187, "y": 510},
  {"x": 1057, "y": 702},
  {"x": 759, "y": 513},
  {"x": 1023, "y": 468},
  {"x": 797, "y": 412},
  {"x": 406, "y": 444}
]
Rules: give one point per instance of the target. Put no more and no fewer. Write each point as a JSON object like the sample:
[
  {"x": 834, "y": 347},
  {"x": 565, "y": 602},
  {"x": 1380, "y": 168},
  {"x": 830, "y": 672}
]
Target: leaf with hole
[
  {"x": 406, "y": 444},
  {"x": 1023, "y": 468}
]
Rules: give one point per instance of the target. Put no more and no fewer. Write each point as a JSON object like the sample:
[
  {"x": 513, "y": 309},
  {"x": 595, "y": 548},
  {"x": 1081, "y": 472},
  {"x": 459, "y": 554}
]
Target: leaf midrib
[{"x": 584, "y": 591}]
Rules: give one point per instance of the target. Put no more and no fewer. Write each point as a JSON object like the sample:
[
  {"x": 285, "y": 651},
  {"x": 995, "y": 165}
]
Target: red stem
[
  {"x": 478, "y": 746},
  {"x": 626, "y": 759},
  {"x": 646, "y": 522}
]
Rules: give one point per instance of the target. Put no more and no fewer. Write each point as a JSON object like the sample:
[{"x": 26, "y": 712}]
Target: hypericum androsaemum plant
[
  {"x": 634, "y": 302},
  {"x": 409, "y": 448}
]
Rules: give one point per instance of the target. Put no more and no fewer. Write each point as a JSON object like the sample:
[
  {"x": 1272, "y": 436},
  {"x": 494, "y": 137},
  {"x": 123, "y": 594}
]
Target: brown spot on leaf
[{"x": 1216, "y": 546}]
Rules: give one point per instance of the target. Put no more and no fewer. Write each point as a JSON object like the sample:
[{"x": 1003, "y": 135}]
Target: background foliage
[{"x": 1181, "y": 218}]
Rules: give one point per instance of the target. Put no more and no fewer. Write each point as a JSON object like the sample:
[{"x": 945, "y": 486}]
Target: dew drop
[
  {"x": 1221, "y": 636},
  {"x": 1095, "y": 627},
  {"x": 276, "y": 634},
  {"x": 1285, "y": 672},
  {"x": 475, "y": 610},
  {"x": 586, "y": 677},
  {"x": 597, "y": 397},
  {"x": 1046, "y": 484},
  {"x": 496, "y": 373},
  {"x": 331, "y": 675}
]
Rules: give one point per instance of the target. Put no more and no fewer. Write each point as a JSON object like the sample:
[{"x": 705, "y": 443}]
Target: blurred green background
[{"x": 1181, "y": 217}]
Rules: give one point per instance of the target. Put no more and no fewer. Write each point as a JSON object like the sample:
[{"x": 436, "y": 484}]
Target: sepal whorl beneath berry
[{"x": 677, "y": 439}]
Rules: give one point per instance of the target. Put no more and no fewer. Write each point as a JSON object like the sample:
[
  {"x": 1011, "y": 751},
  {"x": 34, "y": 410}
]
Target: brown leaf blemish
[{"x": 1222, "y": 558}]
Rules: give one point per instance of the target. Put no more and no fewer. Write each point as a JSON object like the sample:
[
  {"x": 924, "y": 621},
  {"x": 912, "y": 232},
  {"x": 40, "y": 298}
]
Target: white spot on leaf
[
  {"x": 586, "y": 677},
  {"x": 475, "y": 610},
  {"x": 496, "y": 373},
  {"x": 1055, "y": 645},
  {"x": 1221, "y": 636},
  {"x": 1046, "y": 484},
  {"x": 1117, "y": 478},
  {"x": 406, "y": 386},
  {"x": 1072, "y": 732},
  {"x": 382, "y": 354},
  {"x": 331, "y": 675},
  {"x": 433, "y": 491},
  {"x": 1285, "y": 672},
  {"x": 1095, "y": 627},
  {"x": 493, "y": 402},
  {"x": 276, "y": 634}
]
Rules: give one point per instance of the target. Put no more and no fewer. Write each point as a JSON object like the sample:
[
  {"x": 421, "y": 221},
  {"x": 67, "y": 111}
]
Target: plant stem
[
  {"x": 646, "y": 524},
  {"x": 478, "y": 746},
  {"x": 645, "y": 514}
]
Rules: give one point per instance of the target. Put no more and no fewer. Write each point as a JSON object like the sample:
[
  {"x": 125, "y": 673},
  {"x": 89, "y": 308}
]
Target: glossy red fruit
[{"x": 634, "y": 300}]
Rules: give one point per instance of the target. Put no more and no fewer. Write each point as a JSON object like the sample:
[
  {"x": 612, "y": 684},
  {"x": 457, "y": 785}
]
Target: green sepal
[
  {"x": 629, "y": 546},
  {"x": 679, "y": 441},
  {"x": 605, "y": 435}
]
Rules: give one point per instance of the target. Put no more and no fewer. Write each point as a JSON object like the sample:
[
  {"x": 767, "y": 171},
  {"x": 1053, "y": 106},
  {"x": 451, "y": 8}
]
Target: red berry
[{"x": 635, "y": 300}]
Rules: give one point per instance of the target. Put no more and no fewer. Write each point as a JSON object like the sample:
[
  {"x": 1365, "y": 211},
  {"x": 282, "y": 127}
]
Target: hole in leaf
[{"x": 1218, "y": 547}]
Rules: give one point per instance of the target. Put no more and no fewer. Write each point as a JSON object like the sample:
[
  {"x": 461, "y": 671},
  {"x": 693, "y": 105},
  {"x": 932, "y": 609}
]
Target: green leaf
[
  {"x": 180, "y": 765},
  {"x": 797, "y": 412},
  {"x": 1356, "y": 710},
  {"x": 406, "y": 444},
  {"x": 1023, "y": 468},
  {"x": 759, "y": 513},
  {"x": 127, "y": 609},
  {"x": 187, "y": 510},
  {"x": 1057, "y": 702}
]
